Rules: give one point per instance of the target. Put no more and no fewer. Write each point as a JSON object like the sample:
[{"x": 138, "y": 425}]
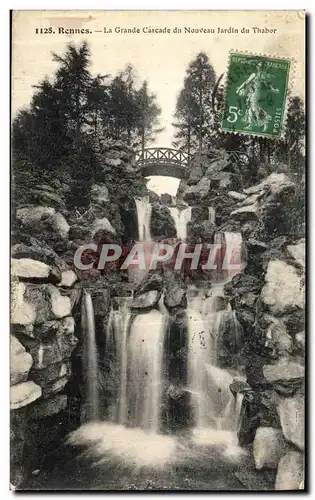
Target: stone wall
[{"x": 269, "y": 301}]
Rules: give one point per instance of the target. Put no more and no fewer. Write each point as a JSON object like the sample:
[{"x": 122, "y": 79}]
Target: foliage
[{"x": 59, "y": 136}]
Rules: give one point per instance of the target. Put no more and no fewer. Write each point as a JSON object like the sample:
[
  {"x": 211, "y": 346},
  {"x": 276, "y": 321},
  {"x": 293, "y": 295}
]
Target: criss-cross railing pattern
[{"x": 162, "y": 155}]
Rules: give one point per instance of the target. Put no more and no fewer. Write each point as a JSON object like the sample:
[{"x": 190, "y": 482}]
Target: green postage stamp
[{"x": 256, "y": 94}]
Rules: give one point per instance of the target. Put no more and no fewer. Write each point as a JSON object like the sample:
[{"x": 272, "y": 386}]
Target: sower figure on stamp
[{"x": 251, "y": 88}]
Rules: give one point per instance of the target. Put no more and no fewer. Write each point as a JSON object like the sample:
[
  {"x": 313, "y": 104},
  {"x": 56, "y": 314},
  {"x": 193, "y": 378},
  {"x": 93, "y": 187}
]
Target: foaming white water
[
  {"x": 91, "y": 405},
  {"x": 144, "y": 209},
  {"x": 225, "y": 441},
  {"x": 181, "y": 219},
  {"x": 135, "y": 447}
]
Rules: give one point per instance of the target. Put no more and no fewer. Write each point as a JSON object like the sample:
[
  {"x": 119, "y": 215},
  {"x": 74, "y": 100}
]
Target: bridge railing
[{"x": 162, "y": 155}]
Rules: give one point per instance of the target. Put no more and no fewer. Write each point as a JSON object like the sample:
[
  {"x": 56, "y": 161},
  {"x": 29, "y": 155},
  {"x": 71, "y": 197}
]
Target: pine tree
[
  {"x": 194, "y": 114},
  {"x": 148, "y": 113}
]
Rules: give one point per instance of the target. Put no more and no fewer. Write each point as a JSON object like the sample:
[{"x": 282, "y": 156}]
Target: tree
[
  {"x": 194, "y": 114},
  {"x": 148, "y": 113}
]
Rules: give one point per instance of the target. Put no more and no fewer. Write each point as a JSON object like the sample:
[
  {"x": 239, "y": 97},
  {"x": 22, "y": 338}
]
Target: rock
[
  {"x": 33, "y": 269},
  {"x": 195, "y": 174},
  {"x": 277, "y": 334},
  {"x": 292, "y": 417},
  {"x": 54, "y": 387},
  {"x": 99, "y": 194},
  {"x": 300, "y": 341},
  {"x": 284, "y": 288},
  {"x": 44, "y": 377},
  {"x": 102, "y": 225},
  {"x": 20, "y": 362},
  {"x": 23, "y": 394},
  {"x": 246, "y": 213},
  {"x": 57, "y": 224},
  {"x": 153, "y": 197},
  {"x": 44, "y": 195},
  {"x": 268, "y": 447},
  {"x": 79, "y": 232},
  {"x": 250, "y": 200},
  {"x": 16, "y": 347},
  {"x": 175, "y": 295},
  {"x": 297, "y": 251},
  {"x": 237, "y": 196},
  {"x": 162, "y": 223},
  {"x": 290, "y": 471},
  {"x": 114, "y": 162},
  {"x": 151, "y": 282},
  {"x": 54, "y": 348},
  {"x": 146, "y": 300},
  {"x": 283, "y": 369},
  {"x": 274, "y": 181},
  {"x": 194, "y": 194},
  {"x": 166, "y": 199},
  {"x": 33, "y": 214},
  {"x": 22, "y": 311},
  {"x": 216, "y": 167},
  {"x": 68, "y": 278},
  {"x": 38, "y": 251},
  {"x": 48, "y": 407},
  {"x": 46, "y": 303}
]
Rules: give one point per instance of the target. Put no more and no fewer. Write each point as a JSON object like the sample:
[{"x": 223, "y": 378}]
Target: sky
[{"x": 159, "y": 58}]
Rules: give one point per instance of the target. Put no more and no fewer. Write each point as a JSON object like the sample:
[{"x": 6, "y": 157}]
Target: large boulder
[
  {"x": 38, "y": 251},
  {"x": 32, "y": 214},
  {"x": 57, "y": 224},
  {"x": 290, "y": 473},
  {"x": 283, "y": 369},
  {"x": 175, "y": 294},
  {"x": 99, "y": 195},
  {"x": 162, "y": 223},
  {"x": 38, "y": 304},
  {"x": 24, "y": 394},
  {"x": 195, "y": 174},
  {"x": 284, "y": 288},
  {"x": 268, "y": 447},
  {"x": 20, "y": 362},
  {"x": 102, "y": 225},
  {"x": 292, "y": 417},
  {"x": 22, "y": 311},
  {"x": 68, "y": 278},
  {"x": 146, "y": 300},
  {"x": 274, "y": 182},
  {"x": 297, "y": 252},
  {"x": 34, "y": 270}
]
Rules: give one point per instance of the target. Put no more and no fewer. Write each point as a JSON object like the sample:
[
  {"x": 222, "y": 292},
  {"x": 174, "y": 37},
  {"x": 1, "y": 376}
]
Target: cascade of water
[
  {"x": 213, "y": 403},
  {"x": 181, "y": 219},
  {"x": 116, "y": 343},
  {"x": 90, "y": 358},
  {"x": 233, "y": 253},
  {"x": 144, "y": 209},
  {"x": 145, "y": 370}
]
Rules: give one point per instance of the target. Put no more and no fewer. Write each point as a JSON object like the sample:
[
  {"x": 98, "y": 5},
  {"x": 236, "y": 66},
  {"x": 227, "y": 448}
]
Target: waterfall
[
  {"x": 233, "y": 253},
  {"x": 144, "y": 209},
  {"x": 116, "y": 344},
  {"x": 145, "y": 370},
  {"x": 181, "y": 219},
  {"x": 90, "y": 359},
  {"x": 138, "y": 348},
  {"x": 213, "y": 403}
]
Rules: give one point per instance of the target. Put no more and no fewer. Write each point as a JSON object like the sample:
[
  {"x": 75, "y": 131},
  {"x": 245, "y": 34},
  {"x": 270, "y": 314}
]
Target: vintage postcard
[{"x": 158, "y": 251}]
